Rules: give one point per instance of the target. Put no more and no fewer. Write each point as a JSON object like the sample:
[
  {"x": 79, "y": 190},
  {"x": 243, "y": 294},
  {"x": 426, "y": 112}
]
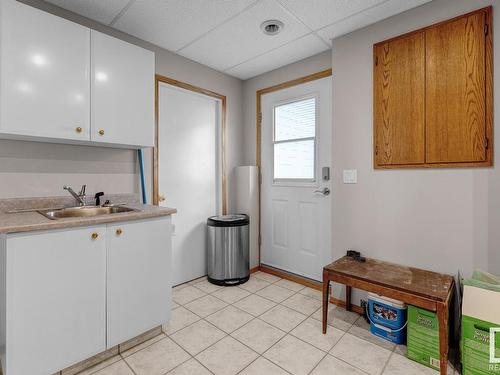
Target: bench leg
[
  {"x": 442, "y": 313},
  {"x": 348, "y": 298},
  {"x": 326, "y": 295}
]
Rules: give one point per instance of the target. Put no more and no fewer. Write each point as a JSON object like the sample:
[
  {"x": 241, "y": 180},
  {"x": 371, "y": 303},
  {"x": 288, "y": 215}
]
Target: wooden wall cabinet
[{"x": 433, "y": 96}]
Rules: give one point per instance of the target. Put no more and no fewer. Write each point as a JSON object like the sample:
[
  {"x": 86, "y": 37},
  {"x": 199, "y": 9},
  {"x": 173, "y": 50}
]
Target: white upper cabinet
[
  {"x": 63, "y": 82},
  {"x": 44, "y": 74},
  {"x": 122, "y": 92}
]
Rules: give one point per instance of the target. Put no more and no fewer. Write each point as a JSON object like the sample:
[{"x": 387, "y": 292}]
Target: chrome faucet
[{"x": 80, "y": 197}]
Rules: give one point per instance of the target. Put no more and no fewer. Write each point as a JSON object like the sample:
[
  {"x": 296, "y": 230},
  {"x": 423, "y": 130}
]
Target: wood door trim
[
  {"x": 259, "y": 94},
  {"x": 186, "y": 86},
  {"x": 291, "y": 277},
  {"x": 307, "y": 283}
]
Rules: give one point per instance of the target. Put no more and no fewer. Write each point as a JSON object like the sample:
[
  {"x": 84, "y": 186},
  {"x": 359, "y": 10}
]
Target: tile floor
[{"x": 266, "y": 326}]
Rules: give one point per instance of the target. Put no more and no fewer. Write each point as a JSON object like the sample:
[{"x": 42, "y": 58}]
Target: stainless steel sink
[{"x": 85, "y": 211}]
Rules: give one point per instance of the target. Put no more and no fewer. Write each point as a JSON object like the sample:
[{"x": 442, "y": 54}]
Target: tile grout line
[
  {"x": 286, "y": 333},
  {"x": 386, "y": 363},
  {"x": 128, "y": 365},
  {"x": 253, "y": 318},
  {"x": 298, "y": 338}
]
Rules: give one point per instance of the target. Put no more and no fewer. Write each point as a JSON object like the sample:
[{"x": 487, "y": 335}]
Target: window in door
[{"x": 295, "y": 141}]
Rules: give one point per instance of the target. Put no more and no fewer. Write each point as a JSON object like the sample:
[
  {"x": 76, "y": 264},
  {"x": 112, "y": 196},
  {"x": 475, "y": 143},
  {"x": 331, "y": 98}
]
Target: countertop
[{"x": 33, "y": 221}]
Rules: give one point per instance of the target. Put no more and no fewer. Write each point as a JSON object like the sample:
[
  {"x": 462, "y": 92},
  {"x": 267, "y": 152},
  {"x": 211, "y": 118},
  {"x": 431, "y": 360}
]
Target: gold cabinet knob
[
  {"x": 94, "y": 236},
  {"x": 161, "y": 198},
  {"x": 79, "y": 129},
  {"x": 119, "y": 231},
  {"x": 101, "y": 132}
]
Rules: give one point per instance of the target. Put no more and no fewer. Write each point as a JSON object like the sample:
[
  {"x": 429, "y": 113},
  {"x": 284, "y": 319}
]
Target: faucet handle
[
  {"x": 97, "y": 198},
  {"x": 82, "y": 190}
]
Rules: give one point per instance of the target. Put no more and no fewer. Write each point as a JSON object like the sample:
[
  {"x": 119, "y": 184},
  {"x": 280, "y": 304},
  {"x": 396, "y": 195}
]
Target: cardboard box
[
  {"x": 480, "y": 313},
  {"x": 423, "y": 337}
]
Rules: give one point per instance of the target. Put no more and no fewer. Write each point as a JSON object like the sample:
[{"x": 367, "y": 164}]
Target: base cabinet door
[
  {"x": 138, "y": 277},
  {"x": 55, "y": 299}
]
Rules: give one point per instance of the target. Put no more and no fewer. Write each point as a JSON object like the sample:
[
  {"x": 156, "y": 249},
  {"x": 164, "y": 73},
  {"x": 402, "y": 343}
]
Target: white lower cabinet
[
  {"x": 66, "y": 295},
  {"x": 139, "y": 281},
  {"x": 55, "y": 299}
]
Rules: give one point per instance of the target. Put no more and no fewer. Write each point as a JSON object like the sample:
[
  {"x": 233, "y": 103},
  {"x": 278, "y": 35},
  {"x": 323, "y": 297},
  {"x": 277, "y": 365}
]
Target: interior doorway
[{"x": 189, "y": 169}]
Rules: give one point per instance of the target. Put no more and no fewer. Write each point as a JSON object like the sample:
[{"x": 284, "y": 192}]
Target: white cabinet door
[
  {"x": 138, "y": 277},
  {"x": 55, "y": 299},
  {"x": 122, "y": 92},
  {"x": 44, "y": 74}
]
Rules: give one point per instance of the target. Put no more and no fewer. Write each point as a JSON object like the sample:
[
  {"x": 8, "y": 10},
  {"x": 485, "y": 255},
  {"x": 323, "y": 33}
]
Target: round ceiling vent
[{"x": 272, "y": 27}]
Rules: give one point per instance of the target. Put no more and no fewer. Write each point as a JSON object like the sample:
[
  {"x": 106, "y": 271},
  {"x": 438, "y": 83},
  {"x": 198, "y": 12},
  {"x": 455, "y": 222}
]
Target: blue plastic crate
[
  {"x": 386, "y": 312},
  {"x": 395, "y": 336}
]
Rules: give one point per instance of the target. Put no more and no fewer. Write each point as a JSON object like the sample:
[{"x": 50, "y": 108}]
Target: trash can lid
[{"x": 233, "y": 220}]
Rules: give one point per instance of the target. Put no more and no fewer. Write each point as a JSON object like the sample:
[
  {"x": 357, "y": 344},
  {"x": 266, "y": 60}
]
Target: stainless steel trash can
[{"x": 227, "y": 252}]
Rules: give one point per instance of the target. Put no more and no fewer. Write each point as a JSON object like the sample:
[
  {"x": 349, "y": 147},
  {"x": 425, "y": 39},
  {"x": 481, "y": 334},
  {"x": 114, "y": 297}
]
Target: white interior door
[
  {"x": 296, "y": 151},
  {"x": 189, "y": 173}
]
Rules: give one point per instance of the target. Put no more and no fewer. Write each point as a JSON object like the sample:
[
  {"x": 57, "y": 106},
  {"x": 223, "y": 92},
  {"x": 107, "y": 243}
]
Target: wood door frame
[
  {"x": 259, "y": 94},
  {"x": 186, "y": 86}
]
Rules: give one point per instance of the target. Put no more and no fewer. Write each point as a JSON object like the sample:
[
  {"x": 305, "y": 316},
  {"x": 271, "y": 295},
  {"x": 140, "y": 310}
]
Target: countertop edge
[{"x": 47, "y": 224}]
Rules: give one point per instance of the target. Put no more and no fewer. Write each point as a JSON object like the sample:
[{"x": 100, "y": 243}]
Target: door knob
[
  {"x": 101, "y": 132},
  {"x": 119, "y": 231},
  {"x": 161, "y": 198},
  {"x": 94, "y": 236},
  {"x": 325, "y": 191},
  {"x": 78, "y": 129}
]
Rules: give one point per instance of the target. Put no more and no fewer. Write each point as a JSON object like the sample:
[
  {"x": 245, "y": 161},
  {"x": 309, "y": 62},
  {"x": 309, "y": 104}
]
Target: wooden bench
[{"x": 425, "y": 289}]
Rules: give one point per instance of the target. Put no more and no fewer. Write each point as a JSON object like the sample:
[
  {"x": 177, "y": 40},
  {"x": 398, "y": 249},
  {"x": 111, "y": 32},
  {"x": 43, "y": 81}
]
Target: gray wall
[
  {"x": 39, "y": 169},
  {"x": 443, "y": 219},
  {"x": 440, "y": 219},
  {"x": 298, "y": 69}
]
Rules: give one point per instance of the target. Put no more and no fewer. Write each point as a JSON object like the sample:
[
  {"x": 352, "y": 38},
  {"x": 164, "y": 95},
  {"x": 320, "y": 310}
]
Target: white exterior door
[
  {"x": 296, "y": 153},
  {"x": 188, "y": 173}
]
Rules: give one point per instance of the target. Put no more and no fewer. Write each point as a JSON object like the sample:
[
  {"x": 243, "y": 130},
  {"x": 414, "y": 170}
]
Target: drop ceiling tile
[
  {"x": 172, "y": 24},
  {"x": 371, "y": 16},
  {"x": 98, "y": 10},
  {"x": 319, "y": 13},
  {"x": 242, "y": 39},
  {"x": 287, "y": 54}
]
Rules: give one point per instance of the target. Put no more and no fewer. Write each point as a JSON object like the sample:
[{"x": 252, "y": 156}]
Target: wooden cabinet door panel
[
  {"x": 399, "y": 101},
  {"x": 455, "y": 91}
]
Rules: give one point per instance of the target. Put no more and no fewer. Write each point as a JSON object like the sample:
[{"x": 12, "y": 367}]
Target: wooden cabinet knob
[
  {"x": 94, "y": 236},
  {"x": 78, "y": 129},
  {"x": 101, "y": 132},
  {"x": 119, "y": 231}
]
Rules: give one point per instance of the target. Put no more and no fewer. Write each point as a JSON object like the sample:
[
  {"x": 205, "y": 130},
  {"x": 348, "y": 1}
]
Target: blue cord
[{"x": 140, "y": 156}]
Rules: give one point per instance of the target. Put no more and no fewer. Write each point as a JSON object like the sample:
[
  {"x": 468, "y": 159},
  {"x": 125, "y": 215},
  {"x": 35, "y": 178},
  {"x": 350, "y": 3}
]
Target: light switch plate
[{"x": 350, "y": 176}]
